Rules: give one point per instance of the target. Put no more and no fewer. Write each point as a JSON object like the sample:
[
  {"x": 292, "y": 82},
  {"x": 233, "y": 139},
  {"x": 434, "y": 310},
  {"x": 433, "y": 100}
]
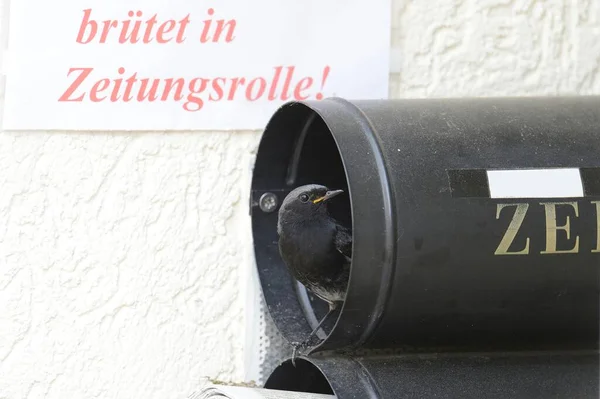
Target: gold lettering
[
  {"x": 552, "y": 228},
  {"x": 597, "y": 226},
  {"x": 512, "y": 230}
]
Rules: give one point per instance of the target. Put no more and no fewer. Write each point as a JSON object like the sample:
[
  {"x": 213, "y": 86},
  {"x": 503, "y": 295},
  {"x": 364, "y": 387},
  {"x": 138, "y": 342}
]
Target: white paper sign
[{"x": 187, "y": 64}]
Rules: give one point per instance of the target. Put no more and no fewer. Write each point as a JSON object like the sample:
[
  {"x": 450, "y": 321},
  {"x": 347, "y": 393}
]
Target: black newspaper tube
[{"x": 438, "y": 262}]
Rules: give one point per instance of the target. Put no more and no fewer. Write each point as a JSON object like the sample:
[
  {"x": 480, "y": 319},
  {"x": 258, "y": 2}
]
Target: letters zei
[{"x": 553, "y": 224}]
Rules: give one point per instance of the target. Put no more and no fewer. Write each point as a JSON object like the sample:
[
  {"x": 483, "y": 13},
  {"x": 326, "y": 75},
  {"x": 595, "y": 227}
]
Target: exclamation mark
[{"x": 325, "y": 75}]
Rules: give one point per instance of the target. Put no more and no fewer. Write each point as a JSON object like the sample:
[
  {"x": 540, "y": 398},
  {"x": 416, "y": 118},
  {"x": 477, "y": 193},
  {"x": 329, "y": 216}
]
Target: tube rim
[{"x": 344, "y": 118}]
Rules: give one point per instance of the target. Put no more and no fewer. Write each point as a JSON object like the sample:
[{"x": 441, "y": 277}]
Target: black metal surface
[
  {"x": 502, "y": 376},
  {"x": 425, "y": 276}
]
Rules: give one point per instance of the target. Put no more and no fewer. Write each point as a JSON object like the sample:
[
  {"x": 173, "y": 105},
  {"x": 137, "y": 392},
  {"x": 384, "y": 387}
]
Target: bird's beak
[{"x": 328, "y": 195}]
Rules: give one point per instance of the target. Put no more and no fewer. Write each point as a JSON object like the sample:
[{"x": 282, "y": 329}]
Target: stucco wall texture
[{"x": 124, "y": 257}]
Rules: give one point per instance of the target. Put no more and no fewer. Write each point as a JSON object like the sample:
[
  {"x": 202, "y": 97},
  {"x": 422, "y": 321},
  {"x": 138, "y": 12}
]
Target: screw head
[{"x": 268, "y": 202}]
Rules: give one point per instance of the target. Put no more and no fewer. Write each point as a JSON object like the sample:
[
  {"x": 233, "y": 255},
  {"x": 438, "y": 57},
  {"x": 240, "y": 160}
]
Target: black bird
[{"x": 316, "y": 248}]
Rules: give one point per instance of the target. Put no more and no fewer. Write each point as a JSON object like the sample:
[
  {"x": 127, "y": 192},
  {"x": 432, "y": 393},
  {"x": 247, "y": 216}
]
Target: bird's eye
[{"x": 304, "y": 197}]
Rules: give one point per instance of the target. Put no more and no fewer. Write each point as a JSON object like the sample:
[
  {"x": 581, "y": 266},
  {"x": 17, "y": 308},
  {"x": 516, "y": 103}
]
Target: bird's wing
[{"x": 343, "y": 240}]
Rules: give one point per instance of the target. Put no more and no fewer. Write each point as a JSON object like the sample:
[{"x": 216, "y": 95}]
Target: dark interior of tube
[
  {"x": 297, "y": 148},
  {"x": 304, "y": 377}
]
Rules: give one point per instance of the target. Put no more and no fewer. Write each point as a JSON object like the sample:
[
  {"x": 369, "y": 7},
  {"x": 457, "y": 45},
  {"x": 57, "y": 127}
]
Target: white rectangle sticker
[{"x": 535, "y": 183}]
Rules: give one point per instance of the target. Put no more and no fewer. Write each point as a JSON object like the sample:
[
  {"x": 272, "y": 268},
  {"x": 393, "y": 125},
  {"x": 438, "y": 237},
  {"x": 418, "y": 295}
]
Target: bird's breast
[{"x": 310, "y": 250}]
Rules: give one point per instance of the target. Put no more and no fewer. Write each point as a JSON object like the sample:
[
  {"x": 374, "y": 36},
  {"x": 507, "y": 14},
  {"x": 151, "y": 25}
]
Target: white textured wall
[
  {"x": 493, "y": 47},
  {"x": 124, "y": 258}
]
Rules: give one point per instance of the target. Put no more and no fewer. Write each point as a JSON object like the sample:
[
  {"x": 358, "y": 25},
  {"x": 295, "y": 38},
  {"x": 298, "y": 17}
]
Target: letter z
[{"x": 66, "y": 96}]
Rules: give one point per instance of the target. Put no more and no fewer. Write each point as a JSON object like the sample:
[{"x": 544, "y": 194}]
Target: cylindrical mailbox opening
[
  {"x": 458, "y": 243},
  {"x": 297, "y": 148},
  {"x": 304, "y": 376}
]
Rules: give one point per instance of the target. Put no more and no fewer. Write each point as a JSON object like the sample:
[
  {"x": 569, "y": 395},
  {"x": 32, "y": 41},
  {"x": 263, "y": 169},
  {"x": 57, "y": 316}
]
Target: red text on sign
[
  {"x": 205, "y": 36},
  {"x": 132, "y": 30},
  {"x": 283, "y": 84}
]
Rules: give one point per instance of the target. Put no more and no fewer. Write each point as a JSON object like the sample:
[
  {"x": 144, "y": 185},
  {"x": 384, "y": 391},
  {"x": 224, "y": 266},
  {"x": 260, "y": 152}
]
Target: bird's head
[{"x": 307, "y": 200}]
